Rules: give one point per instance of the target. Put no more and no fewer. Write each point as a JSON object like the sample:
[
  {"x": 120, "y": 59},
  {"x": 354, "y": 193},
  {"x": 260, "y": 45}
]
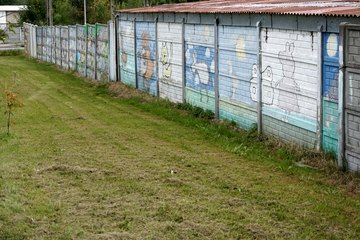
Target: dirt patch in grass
[{"x": 67, "y": 169}]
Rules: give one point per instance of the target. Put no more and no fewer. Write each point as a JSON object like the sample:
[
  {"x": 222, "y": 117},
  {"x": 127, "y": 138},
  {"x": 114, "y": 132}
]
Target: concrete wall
[
  {"x": 127, "y": 52},
  {"x": 175, "y": 57},
  {"x": 200, "y": 65},
  {"x": 238, "y": 47},
  {"x": 146, "y": 57},
  {"x": 170, "y": 66},
  {"x": 290, "y": 103},
  {"x": 330, "y": 91}
]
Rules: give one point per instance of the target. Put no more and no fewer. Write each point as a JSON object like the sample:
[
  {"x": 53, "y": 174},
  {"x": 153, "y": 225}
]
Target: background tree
[
  {"x": 13, "y": 2},
  {"x": 67, "y": 12}
]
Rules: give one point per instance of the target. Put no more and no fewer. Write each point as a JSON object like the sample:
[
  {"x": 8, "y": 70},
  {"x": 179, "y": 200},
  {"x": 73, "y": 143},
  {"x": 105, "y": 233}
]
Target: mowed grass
[{"x": 81, "y": 164}]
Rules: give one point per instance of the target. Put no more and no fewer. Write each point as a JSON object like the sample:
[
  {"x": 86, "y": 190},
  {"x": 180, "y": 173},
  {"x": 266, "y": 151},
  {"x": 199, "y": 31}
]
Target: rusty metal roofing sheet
[{"x": 290, "y": 7}]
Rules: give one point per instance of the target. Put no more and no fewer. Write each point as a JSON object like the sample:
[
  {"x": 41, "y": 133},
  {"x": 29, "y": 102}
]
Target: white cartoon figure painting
[
  {"x": 166, "y": 55},
  {"x": 287, "y": 86},
  {"x": 267, "y": 85},
  {"x": 201, "y": 68}
]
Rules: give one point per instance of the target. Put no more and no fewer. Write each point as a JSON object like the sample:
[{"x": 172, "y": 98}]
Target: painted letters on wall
[
  {"x": 200, "y": 65},
  {"x": 237, "y": 72},
  {"x": 291, "y": 88},
  {"x": 146, "y": 57},
  {"x": 169, "y": 61},
  {"x": 126, "y": 52}
]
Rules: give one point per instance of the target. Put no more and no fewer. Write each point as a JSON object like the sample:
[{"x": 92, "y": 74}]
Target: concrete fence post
[
  {"x": 216, "y": 57},
  {"x": 86, "y": 47},
  {"x": 156, "y": 58},
  {"x": 135, "y": 55},
  {"x": 319, "y": 125},
  {"x": 259, "y": 80},
  {"x": 341, "y": 91},
  {"x": 183, "y": 61},
  {"x": 96, "y": 52},
  {"x": 68, "y": 47},
  {"x": 112, "y": 53}
]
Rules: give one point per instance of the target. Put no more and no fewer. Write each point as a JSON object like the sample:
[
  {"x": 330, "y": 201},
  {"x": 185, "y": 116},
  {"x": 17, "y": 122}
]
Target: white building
[{"x": 10, "y": 13}]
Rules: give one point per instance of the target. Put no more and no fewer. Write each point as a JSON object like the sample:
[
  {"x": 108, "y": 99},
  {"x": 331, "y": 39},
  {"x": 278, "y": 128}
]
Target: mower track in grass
[{"x": 80, "y": 164}]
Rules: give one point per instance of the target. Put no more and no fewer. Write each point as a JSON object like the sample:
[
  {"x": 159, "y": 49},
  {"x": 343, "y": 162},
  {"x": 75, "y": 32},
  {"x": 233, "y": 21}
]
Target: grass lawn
[{"x": 81, "y": 164}]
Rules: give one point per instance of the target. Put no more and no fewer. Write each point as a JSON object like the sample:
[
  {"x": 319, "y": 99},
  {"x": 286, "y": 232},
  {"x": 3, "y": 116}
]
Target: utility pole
[
  {"x": 112, "y": 10},
  {"x": 49, "y": 12},
  {"x": 84, "y": 12}
]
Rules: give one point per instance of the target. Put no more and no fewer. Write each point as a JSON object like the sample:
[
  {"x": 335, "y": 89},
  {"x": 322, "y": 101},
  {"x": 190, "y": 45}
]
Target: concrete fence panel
[
  {"x": 238, "y": 47},
  {"x": 200, "y": 65},
  {"x": 102, "y": 52},
  {"x": 290, "y": 110},
  {"x": 81, "y": 50},
  {"x": 170, "y": 67},
  {"x": 72, "y": 47}
]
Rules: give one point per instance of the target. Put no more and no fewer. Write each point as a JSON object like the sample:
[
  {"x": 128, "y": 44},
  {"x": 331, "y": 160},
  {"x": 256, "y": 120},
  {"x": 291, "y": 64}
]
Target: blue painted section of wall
[
  {"x": 126, "y": 53},
  {"x": 330, "y": 91},
  {"x": 238, "y": 48},
  {"x": 200, "y": 65},
  {"x": 146, "y": 57}
]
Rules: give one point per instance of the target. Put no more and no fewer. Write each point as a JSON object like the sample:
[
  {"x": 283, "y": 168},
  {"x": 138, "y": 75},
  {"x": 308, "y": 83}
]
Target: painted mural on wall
[
  {"x": 170, "y": 61},
  {"x": 330, "y": 91},
  {"x": 200, "y": 62},
  {"x": 292, "y": 57},
  {"x": 267, "y": 85},
  {"x": 237, "y": 73},
  {"x": 331, "y": 63},
  {"x": 287, "y": 85},
  {"x": 237, "y": 59},
  {"x": 146, "y": 51},
  {"x": 126, "y": 52},
  {"x": 166, "y": 57}
]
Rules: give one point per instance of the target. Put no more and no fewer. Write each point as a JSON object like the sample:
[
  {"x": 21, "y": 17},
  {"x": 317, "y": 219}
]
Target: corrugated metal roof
[{"x": 289, "y": 7}]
